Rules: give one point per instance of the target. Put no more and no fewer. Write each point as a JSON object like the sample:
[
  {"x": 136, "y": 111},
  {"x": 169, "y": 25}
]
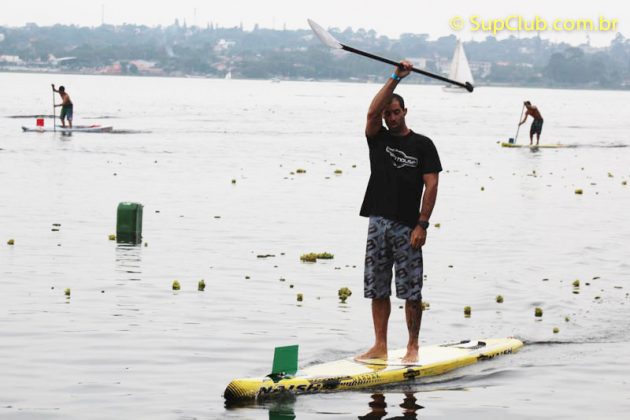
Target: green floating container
[{"x": 129, "y": 223}]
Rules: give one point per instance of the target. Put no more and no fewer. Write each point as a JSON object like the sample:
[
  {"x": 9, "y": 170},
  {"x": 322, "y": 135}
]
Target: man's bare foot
[
  {"x": 376, "y": 352},
  {"x": 412, "y": 355}
]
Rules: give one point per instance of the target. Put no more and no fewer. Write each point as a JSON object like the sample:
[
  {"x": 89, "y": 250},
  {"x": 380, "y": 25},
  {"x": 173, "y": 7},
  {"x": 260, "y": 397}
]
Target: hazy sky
[{"x": 387, "y": 17}]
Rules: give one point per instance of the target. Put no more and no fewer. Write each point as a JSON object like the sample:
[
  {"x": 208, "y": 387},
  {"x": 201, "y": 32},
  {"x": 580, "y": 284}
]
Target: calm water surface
[{"x": 124, "y": 345}]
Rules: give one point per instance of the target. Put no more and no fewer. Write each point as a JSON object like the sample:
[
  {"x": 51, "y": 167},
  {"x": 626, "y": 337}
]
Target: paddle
[
  {"x": 54, "y": 110},
  {"x": 518, "y": 127},
  {"x": 331, "y": 42}
]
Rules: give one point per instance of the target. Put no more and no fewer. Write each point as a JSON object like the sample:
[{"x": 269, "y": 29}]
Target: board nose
[{"x": 234, "y": 393}]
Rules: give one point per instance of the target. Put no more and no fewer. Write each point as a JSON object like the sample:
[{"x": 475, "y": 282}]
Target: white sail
[{"x": 460, "y": 70}]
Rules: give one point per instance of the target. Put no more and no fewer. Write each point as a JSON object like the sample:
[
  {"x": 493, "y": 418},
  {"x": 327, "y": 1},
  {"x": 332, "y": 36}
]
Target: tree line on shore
[{"x": 260, "y": 53}]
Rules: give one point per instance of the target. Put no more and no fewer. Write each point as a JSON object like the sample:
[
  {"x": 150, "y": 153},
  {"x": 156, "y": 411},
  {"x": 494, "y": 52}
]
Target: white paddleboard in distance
[
  {"x": 75, "y": 129},
  {"x": 349, "y": 374}
]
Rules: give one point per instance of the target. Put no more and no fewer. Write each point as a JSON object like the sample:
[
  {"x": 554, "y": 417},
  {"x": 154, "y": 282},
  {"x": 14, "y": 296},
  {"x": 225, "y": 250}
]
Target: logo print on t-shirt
[{"x": 400, "y": 159}]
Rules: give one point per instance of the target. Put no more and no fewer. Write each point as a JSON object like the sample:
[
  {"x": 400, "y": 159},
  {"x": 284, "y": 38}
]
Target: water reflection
[
  {"x": 129, "y": 261},
  {"x": 286, "y": 414},
  {"x": 283, "y": 409},
  {"x": 378, "y": 408}
]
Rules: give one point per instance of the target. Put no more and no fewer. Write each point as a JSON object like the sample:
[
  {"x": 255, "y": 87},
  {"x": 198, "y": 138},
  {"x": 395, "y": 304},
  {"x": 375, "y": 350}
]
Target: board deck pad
[
  {"x": 428, "y": 355},
  {"x": 350, "y": 374}
]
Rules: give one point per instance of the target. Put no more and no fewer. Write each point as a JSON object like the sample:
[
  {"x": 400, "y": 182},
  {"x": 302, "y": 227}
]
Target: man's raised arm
[{"x": 382, "y": 98}]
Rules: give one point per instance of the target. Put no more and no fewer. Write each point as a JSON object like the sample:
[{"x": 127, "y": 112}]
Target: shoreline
[{"x": 276, "y": 79}]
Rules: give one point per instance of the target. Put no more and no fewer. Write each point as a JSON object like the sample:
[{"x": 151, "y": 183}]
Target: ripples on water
[{"x": 124, "y": 344}]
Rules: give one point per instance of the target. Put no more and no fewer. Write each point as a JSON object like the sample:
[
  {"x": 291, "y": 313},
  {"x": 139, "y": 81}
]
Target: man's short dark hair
[
  {"x": 528, "y": 103},
  {"x": 397, "y": 97},
  {"x": 62, "y": 89}
]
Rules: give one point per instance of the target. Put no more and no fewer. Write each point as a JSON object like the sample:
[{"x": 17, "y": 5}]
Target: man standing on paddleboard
[
  {"x": 66, "y": 106},
  {"x": 402, "y": 164},
  {"x": 537, "y": 124}
]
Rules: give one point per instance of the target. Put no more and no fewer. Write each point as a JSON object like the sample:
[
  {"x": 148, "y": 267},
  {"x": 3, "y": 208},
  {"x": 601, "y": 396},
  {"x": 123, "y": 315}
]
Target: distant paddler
[
  {"x": 537, "y": 124},
  {"x": 66, "y": 106}
]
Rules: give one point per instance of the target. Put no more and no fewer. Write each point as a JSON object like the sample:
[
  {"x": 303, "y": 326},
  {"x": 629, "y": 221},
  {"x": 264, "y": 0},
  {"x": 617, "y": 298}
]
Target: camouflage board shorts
[{"x": 388, "y": 245}]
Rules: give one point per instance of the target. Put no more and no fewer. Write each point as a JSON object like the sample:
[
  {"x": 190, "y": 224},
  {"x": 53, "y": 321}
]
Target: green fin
[{"x": 285, "y": 362}]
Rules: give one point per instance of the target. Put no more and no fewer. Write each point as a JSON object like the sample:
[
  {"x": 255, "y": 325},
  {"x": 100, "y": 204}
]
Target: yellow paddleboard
[
  {"x": 349, "y": 374},
  {"x": 533, "y": 146}
]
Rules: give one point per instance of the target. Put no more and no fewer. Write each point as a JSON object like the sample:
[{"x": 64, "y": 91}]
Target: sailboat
[
  {"x": 460, "y": 70},
  {"x": 228, "y": 76}
]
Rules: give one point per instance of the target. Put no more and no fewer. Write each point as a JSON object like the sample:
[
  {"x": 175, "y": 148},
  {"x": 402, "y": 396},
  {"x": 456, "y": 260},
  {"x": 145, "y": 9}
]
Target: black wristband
[{"x": 423, "y": 224}]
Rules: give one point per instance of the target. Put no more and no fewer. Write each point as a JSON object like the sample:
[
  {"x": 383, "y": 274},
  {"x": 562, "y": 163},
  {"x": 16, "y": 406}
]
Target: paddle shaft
[
  {"x": 518, "y": 127},
  {"x": 466, "y": 85},
  {"x": 54, "y": 112}
]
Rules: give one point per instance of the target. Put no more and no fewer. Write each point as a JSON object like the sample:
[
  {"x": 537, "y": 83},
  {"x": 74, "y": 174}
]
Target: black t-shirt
[{"x": 397, "y": 164}]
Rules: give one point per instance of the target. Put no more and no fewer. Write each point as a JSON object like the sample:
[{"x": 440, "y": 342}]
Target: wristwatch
[{"x": 423, "y": 224}]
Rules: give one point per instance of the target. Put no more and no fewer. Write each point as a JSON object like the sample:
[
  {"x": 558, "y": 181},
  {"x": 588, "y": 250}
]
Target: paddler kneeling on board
[
  {"x": 402, "y": 164},
  {"x": 537, "y": 124},
  {"x": 66, "y": 106}
]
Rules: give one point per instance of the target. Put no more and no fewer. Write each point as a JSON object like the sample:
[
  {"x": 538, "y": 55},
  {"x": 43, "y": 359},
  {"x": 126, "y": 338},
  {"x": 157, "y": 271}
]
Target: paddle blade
[
  {"x": 469, "y": 87},
  {"x": 324, "y": 36},
  {"x": 285, "y": 361}
]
